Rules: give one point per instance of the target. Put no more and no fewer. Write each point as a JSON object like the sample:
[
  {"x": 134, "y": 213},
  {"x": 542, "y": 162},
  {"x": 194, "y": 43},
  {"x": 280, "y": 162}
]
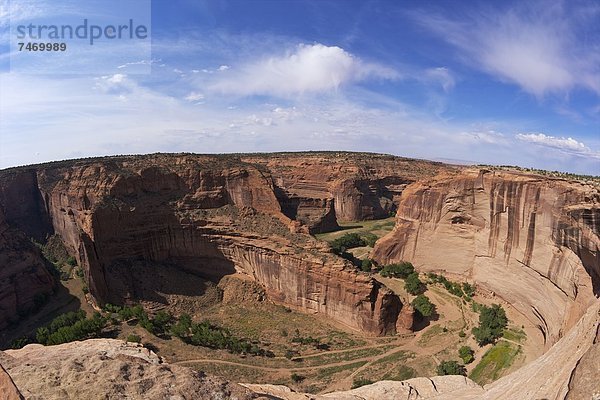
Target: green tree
[
  {"x": 451, "y": 368},
  {"x": 413, "y": 284},
  {"x": 468, "y": 289},
  {"x": 348, "y": 241},
  {"x": 492, "y": 321},
  {"x": 423, "y": 305},
  {"x": 369, "y": 239},
  {"x": 466, "y": 354},
  {"x": 162, "y": 321},
  {"x": 182, "y": 328},
  {"x": 366, "y": 265},
  {"x": 402, "y": 270}
]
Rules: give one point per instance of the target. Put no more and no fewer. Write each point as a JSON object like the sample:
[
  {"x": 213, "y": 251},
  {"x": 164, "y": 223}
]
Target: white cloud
[
  {"x": 489, "y": 137},
  {"x": 194, "y": 96},
  {"x": 569, "y": 144},
  {"x": 141, "y": 62},
  {"x": 224, "y": 67},
  {"x": 134, "y": 118},
  {"x": 310, "y": 68},
  {"x": 537, "y": 46}
]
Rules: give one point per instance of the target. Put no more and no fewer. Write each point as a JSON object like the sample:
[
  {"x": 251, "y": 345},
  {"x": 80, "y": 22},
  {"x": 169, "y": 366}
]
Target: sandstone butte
[{"x": 531, "y": 240}]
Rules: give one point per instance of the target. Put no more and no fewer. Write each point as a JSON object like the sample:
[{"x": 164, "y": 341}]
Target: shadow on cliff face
[
  {"x": 166, "y": 283},
  {"x": 59, "y": 302},
  {"x": 421, "y": 322}
]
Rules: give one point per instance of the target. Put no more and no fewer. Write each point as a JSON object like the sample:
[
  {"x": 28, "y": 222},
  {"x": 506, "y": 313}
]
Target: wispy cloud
[
  {"x": 442, "y": 76},
  {"x": 194, "y": 96},
  {"x": 534, "y": 44},
  {"x": 568, "y": 144},
  {"x": 309, "y": 68}
]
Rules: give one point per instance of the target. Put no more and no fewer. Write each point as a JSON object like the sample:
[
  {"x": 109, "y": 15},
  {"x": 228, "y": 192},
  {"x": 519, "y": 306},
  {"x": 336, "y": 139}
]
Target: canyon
[
  {"x": 529, "y": 240},
  {"x": 211, "y": 216}
]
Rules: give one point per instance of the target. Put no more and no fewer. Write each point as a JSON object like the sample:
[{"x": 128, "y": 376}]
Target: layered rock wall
[
  {"x": 532, "y": 240},
  {"x": 24, "y": 279},
  {"x": 212, "y": 216},
  {"x": 360, "y": 186}
]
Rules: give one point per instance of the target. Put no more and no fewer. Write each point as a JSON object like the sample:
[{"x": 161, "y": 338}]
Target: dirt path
[{"x": 277, "y": 369}]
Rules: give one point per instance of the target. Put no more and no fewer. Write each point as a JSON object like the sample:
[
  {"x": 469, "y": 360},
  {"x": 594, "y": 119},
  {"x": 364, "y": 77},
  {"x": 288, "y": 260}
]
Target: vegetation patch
[
  {"x": 358, "y": 382},
  {"x": 349, "y": 355},
  {"x": 70, "y": 327},
  {"x": 376, "y": 227},
  {"x": 466, "y": 354},
  {"x": 464, "y": 290},
  {"x": 430, "y": 333},
  {"x": 451, "y": 368},
  {"x": 400, "y": 373},
  {"x": 328, "y": 372},
  {"x": 495, "y": 362},
  {"x": 400, "y": 270},
  {"x": 515, "y": 334},
  {"x": 492, "y": 321}
]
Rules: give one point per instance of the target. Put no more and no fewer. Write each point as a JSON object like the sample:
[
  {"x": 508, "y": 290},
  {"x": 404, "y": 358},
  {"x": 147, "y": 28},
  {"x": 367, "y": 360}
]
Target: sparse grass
[
  {"x": 266, "y": 321},
  {"x": 430, "y": 333},
  {"x": 378, "y": 227},
  {"x": 395, "y": 357},
  {"x": 515, "y": 334},
  {"x": 390, "y": 367},
  {"x": 327, "y": 373},
  {"x": 328, "y": 358},
  {"x": 495, "y": 362},
  {"x": 400, "y": 373}
]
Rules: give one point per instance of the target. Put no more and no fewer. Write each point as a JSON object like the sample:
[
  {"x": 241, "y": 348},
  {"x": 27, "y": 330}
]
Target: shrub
[
  {"x": 207, "y": 335},
  {"x": 289, "y": 354},
  {"x": 413, "y": 284},
  {"x": 366, "y": 265},
  {"x": 70, "y": 327},
  {"x": 71, "y": 261},
  {"x": 451, "y": 368},
  {"x": 134, "y": 338},
  {"x": 369, "y": 239},
  {"x": 492, "y": 321},
  {"x": 182, "y": 328},
  {"x": 462, "y": 334},
  {"x": 297, "y": 378},
  {"x": 161, "y": 322},
  {"x": 423, "y": 305},
  {"x": 348, "y": 241},
  {"x": 358, "y": 382},
  {"x": 466, "y": 354},
  {"x": 402, "y": 270},
  {"x": 19, "y": 343},
  {"x": 468, "y": 289}
]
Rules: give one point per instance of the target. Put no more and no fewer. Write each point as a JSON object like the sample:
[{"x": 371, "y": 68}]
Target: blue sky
[{"x": 482, "y": 81}]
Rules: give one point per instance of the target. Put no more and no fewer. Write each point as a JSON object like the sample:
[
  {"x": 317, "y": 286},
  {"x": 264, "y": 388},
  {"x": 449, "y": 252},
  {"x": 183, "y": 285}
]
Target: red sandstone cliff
[
  {"x": 532, "y": 240},
  {"x": 24, "y": 279},
  {"x": 319, "y": 188},
  {"x": 209, "y": 215}
]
